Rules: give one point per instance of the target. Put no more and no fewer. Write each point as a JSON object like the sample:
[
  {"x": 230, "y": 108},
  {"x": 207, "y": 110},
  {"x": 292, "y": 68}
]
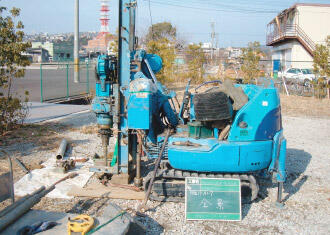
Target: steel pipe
[
  {"x": 138, "y": 179},
  {"x": 25, "y": 206},
  {"x": 61, "y": 150},
  {"x": 21, "y": 200}
]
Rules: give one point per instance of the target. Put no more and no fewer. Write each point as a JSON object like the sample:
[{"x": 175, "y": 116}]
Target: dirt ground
[
  {"x": 306, "y": 191},
  {"x": 299, "y": 106}
]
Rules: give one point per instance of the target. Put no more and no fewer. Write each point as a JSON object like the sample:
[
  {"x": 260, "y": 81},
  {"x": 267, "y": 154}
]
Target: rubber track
[{"x": 247, "y": 180}]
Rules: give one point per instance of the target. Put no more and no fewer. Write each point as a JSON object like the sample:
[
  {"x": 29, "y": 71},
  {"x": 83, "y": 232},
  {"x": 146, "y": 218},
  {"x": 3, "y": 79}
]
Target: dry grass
[
  {"x": 92, "y": 129},
  {"x": 29, "y": 138},
  {"x": 38, "y": 134},
  {"x": 305, "y": 106}
]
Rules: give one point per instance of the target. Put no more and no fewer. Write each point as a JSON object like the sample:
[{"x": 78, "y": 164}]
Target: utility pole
[
  {"x": 76, "y": 42},
  {"x": 212, "y": 40},
  {"x": 218, "y": 46}
]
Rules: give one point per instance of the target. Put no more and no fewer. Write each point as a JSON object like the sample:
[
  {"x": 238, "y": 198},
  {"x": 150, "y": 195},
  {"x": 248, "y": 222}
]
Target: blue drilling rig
[{"x": 226, "y": 131}]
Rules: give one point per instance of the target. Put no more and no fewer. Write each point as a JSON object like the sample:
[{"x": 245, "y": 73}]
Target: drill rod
[
  {"x": 138, "y": 179},
  {"x": 105, "y": 142}
]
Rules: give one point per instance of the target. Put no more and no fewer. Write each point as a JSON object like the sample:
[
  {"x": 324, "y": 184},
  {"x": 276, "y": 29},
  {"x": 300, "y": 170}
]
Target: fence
[
  {"x": 314, "y": 89},
  {"x": 300, "y": 80},
  {"x": 57, "y": 81}
]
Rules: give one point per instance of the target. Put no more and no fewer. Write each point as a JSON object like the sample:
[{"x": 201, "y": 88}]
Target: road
[{"x": 54, "y": 83}]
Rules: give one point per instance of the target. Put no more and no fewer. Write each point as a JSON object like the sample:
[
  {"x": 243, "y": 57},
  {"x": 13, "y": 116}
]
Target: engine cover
[{"x": 212, "y": 106}]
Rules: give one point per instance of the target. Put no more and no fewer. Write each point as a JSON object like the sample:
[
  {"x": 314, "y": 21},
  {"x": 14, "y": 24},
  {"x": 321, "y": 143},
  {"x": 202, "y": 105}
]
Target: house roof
[{"x": 293, "y": 7}]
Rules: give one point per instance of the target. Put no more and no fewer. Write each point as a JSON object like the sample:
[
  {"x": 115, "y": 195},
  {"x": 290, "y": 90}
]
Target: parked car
[
  {"x": 302, "y": 76},
  {"x": 309, "y": 75}
]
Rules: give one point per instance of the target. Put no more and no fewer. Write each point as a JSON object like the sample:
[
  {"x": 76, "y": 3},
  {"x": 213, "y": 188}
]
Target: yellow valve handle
[{"x": 80, "y": 224}]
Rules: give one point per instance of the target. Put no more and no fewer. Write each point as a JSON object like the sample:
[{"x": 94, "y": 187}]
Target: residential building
[
  {"x": 234, "y": 52},
  {"x": 206, "y": 45},
  {"x": 58, "y": 51},
  {"x": 294, "y": 33},
  {"x": 37, "y": 55}
]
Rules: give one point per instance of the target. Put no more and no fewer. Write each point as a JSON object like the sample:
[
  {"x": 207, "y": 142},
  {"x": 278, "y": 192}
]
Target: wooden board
[
  {"x": 101, "y": 191},
  {"x": 213, "y": 199}
]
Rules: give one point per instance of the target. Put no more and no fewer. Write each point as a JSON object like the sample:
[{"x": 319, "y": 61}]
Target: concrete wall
[
  {"x": 283, "y": 52},
  {"x": 300, "y": 57},
  {"x": 292, "y": 55},
  {"x": 315, "y": 21}
]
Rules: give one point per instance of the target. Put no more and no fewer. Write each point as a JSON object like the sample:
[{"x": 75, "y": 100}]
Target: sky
[{"x": 237, "y": 22}]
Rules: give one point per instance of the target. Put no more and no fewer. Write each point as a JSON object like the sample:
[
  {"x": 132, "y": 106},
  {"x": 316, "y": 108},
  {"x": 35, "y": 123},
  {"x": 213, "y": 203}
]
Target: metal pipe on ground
[
  {"x": 61, "y": 150},
  {"x": 12, "y": 215},
  {"x": 22, "y": 166},
  {"x": 19, "y": 201}
]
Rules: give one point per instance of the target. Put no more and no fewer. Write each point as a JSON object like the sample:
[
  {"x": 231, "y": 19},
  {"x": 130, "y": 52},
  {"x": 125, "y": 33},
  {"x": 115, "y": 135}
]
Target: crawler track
[{"x": 169, "y": 184}]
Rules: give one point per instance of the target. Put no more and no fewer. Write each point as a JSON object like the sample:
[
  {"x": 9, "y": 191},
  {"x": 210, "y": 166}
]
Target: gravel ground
[{"x": 306, "y": 192}]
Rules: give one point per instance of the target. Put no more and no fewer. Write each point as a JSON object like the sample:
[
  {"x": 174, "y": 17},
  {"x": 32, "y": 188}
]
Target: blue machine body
[
  {"x": 257, "y": 145},
  {"x": 143, "y": 104},
  {"x": 128, "y": 95},
  {"x": 103, "y": 90}
]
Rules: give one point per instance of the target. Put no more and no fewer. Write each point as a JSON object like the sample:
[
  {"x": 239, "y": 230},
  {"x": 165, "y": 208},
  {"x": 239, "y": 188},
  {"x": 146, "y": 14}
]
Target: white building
[
  {"x": 295, "y": 32},
  {"x": 206, "y": 45},
  {"x": 234, "y": 52}
]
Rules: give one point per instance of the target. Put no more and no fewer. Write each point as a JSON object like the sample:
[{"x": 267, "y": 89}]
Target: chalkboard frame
[{"x": 217, "y": 179}]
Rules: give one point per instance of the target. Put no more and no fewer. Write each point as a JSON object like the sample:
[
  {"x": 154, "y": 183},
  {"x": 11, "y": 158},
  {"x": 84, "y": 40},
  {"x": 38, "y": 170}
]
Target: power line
[
  {"x": 230, "y": 9},
  {"x": 226, "y": 8},
  {"x": 230, "y": 6},
  {"x": 224, "y": 33}
]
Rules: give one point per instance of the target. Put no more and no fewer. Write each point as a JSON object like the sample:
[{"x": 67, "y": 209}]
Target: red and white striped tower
[{"x": 104, "y": 17}]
